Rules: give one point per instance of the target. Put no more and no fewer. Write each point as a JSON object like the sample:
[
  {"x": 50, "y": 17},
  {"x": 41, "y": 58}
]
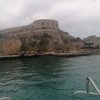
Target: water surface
[{"x": 48, "y": 78}]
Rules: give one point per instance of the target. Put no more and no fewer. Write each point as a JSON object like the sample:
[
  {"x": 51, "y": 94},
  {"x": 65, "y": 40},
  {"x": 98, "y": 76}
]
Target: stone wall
[{"x": 45, "y": 24}]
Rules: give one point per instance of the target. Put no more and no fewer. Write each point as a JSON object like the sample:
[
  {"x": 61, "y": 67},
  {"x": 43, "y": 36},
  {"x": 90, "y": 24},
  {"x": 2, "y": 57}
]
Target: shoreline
[{"x": 38, "y": 55}]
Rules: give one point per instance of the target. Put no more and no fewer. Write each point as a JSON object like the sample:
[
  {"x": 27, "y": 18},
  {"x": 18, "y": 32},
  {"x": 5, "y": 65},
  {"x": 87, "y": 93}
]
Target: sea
[{"x": 49, "y": 77}]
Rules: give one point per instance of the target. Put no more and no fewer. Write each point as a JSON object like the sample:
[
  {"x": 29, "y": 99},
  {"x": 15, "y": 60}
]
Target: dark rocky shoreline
[
  {"x": 84, "y": 52},
  {"x": 38, "y": 55}
]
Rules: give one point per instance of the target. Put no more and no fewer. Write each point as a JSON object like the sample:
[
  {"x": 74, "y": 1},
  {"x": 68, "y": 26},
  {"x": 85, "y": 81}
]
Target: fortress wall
[
  {"x": 38, "y": 27},
  {"x": 45, "y": 24}
]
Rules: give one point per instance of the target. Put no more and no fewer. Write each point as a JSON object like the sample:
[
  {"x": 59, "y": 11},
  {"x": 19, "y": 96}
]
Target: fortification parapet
[{"x": 44, "y": 24}]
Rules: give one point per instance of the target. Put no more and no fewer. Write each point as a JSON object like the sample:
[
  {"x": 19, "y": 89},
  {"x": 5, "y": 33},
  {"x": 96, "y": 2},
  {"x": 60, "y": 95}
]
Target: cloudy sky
[{"x": 78, "y": 17}]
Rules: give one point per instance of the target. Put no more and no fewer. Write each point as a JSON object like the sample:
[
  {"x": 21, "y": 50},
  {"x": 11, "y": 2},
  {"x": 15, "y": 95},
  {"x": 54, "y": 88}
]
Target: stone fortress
[
  {"x": 52, "y": 25},
  {"x": 47, "y": 26},
  {"x": 37, "y": 28},
  {"x": 38, "y": 25}
]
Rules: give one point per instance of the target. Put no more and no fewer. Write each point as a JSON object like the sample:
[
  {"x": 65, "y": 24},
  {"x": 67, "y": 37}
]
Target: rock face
[
  {"x": 41, "y": 35},
  {"x": 9, "y": 46}
]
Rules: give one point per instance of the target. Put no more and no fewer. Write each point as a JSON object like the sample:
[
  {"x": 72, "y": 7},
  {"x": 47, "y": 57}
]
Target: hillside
[{"x": 39, "y": 37}]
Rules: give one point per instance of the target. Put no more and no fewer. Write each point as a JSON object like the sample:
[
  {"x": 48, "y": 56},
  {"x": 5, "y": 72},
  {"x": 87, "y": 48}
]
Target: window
[
  {"x": 42, "y": 23},
  {"x": 47, "y": 23},
  {"x": 43, "y": 27}
]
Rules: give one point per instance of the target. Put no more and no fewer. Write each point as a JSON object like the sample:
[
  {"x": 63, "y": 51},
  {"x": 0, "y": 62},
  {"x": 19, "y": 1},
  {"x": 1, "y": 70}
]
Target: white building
[{"x": 92, "y": 42}]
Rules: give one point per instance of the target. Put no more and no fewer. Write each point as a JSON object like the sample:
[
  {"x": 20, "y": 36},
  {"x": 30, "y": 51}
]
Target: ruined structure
[
  {"x": 38, "y": 27},
  {"x": 43, "y": 32},
  {"x": 44, "y": 24}
]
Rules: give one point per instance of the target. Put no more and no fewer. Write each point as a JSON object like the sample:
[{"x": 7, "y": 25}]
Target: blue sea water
[{"x": 48, "y": 78}]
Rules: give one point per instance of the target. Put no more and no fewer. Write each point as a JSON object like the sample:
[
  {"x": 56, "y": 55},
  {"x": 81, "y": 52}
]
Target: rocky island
[{"x": 42, "y": 37}]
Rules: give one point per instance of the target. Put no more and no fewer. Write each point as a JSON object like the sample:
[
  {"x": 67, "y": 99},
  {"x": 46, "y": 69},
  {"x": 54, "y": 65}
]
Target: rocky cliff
[{"x": 40, "y": 36}]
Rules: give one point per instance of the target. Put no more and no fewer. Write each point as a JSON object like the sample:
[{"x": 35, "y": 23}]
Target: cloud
[{"x": 78, "y": 17}]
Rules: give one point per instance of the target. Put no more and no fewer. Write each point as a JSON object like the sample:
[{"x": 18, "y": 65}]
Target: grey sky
[{"x": 78, "y": 17}]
